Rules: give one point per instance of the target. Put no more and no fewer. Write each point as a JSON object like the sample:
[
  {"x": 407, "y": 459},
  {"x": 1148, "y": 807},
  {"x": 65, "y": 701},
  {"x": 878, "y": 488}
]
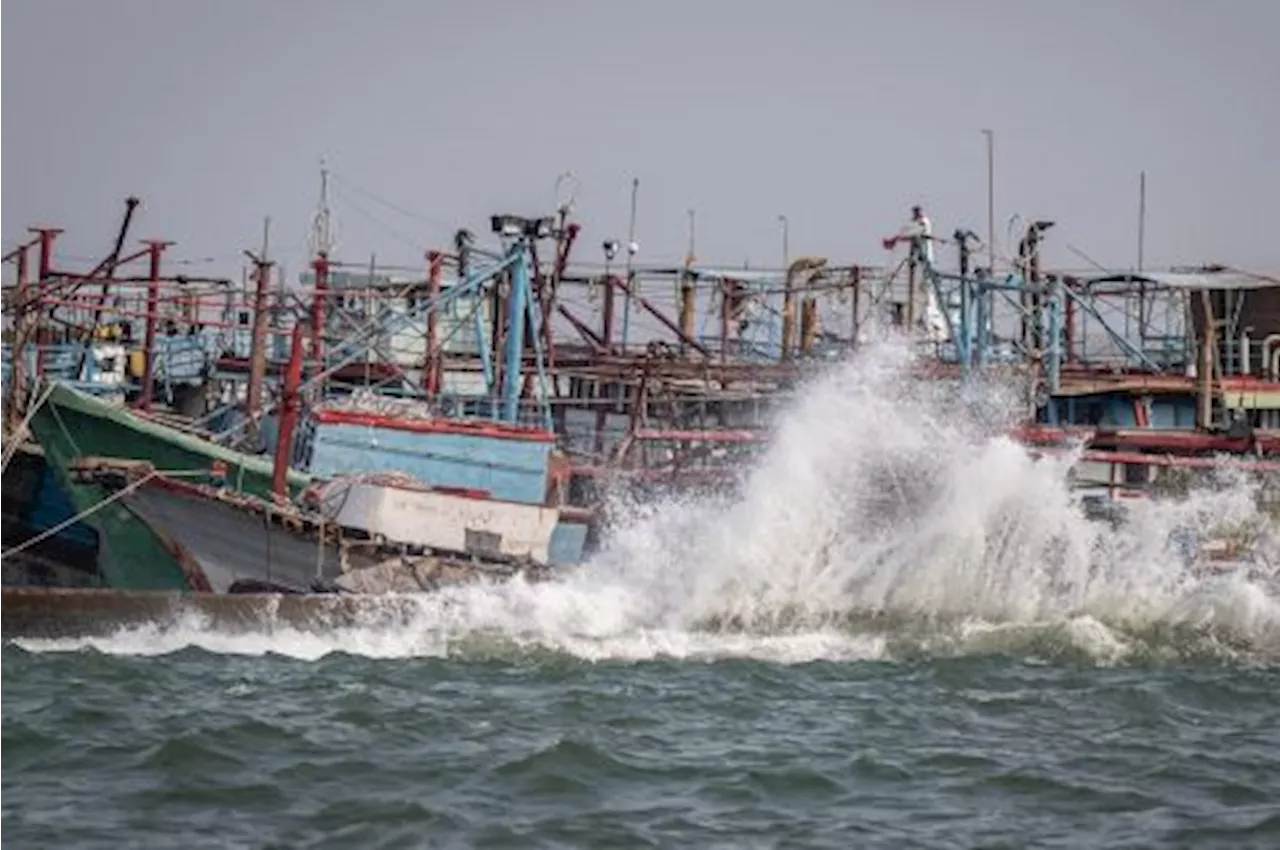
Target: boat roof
[{"x": 1201, "y": 279}]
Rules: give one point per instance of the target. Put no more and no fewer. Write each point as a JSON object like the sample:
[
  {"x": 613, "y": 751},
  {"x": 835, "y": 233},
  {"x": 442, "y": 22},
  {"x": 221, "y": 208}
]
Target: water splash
[{"x": 889, "y": 518}]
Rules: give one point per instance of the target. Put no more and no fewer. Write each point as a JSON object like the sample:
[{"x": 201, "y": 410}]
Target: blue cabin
[{"x": 507, "y": 462}]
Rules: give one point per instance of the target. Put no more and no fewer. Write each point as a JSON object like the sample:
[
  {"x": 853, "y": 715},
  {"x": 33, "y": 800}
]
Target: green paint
[{"x": 72, "y": 425}]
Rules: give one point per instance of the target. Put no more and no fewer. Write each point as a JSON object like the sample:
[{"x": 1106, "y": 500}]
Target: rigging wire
[
  {"x": 391, "y": 205},
  {"x": 389, "y": 229}
]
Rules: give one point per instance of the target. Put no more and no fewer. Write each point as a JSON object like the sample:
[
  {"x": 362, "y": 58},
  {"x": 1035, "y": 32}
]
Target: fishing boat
[{"x": 176, "y": 510}]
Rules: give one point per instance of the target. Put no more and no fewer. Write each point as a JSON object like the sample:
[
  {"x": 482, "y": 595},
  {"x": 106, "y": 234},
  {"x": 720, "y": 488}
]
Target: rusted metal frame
[
  {"x": 369, "y": 330},
  {"x": 107, "y": 270},
  {"x": 22, "y": 327},
  {"x": 320, "y": 267},
  {"x": 45, "y": 236},
  {"x": 588, "y": 335},
  {"x": 567, "y": 235},
  {"x": 640, "y": 405},
  {"x": 660, "y": 316},
  {"x": 62, "y": 280},
  {"x": 433, "y": 356},
  {"x": 19, "y": 250},
  {"x": 258, "y": 342},
  {"x": 726, "y": 310},
  {"x": 137, "y": 314},
  {"x": 710, "y": 436},
  {"x": 288, "y": 417},
  {"x": 155, "y": 248}
]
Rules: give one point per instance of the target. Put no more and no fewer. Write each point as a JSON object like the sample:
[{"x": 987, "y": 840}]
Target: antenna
[
  {"x": 1142, "y": 216},
  {"x": 991, "y": 200},
  {"x": 323, "y": 239},
  {"x": 1142, "y": 239}
]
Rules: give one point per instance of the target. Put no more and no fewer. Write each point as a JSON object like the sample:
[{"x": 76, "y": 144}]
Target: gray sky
[{"x": 838, "y": 114}]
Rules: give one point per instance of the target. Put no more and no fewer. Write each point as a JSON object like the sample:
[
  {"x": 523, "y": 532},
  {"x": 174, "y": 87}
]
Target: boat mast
[{"x": 323, "y": 242}]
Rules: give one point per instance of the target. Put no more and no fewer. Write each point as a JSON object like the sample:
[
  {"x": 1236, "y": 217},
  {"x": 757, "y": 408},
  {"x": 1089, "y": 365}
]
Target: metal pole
[
  {"x": 726, "y": 290},
  {"x": 288, "y": 416},
  {"x": 1142, "y": 233},
  {"x": 631, "y": 244},
  {"x": 786, "y": 250},
  {"x": 431, "y": 363},
  {"x": 690, "y": 258},
  {"x": 788, "y": 313},
  {"x": 155, "y": 247},
  {"x": 606, "y": 318},
  {"x": 18, "y": 358},
  {"x": 991, "y": 200},
  {"x": 321, "y": 267},
  {"x": 788, "y": 306},
  {"x": 43, "y": 269},
  {"x": 258, "y": 343},
  {"x": 515, "y": 333},
  {"x": 856, "y": 297},
  {"x": 1142, "y": 215}
]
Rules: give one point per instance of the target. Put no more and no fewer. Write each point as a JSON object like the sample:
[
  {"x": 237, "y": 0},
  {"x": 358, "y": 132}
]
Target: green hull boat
[{"x": 73, "y": 427}]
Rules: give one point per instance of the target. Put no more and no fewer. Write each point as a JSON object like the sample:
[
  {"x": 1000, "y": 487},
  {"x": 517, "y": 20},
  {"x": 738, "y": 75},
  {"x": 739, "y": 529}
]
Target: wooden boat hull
[
  {"x": 228, "y": 541},
  {"x": 222, "y": 543}
]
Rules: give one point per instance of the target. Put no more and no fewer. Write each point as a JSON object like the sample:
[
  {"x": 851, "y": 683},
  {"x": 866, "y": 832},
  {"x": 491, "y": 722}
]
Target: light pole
[
  {"x": 610, "y": 248},
  {"x": 991, "y": 201},
  {"x": 632, "y": 248}
]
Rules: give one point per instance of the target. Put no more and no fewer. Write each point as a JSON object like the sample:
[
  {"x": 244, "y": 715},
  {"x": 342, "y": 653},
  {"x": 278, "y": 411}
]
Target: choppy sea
[{"x": 900, "y": 631}]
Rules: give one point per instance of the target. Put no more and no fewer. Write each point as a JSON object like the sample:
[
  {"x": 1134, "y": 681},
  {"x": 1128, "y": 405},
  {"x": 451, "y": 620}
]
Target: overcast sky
[{"x": 837, "y": 114}]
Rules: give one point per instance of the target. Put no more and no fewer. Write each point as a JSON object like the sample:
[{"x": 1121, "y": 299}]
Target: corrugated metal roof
[{"x": 1197, "y": 280}]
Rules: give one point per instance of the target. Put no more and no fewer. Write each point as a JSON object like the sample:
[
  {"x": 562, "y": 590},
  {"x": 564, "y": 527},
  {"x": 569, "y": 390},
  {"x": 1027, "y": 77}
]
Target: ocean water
[{"x": 899, "y": 631}]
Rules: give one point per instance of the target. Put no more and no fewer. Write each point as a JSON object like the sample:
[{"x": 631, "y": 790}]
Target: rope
[
  {"x": 50, "y": 532},
  {"x": 20, "y": 433}
]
